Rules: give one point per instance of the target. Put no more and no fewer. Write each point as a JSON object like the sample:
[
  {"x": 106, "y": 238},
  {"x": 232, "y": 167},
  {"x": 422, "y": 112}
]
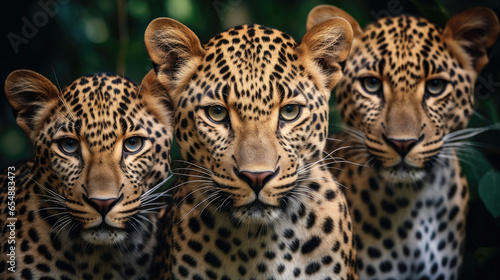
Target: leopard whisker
[
  {"x": 192, "y": 175},
  {"x": 203, "y": 188},
  {"x": 196, "y": 206},
  {"x": 195, "y": 170},
  {"x": 195, "y": 165},
  {"x": 140, "y": 223},
  {"x": 56, "y": 214},
  {"x": 468, "y": 132},
  {"x": 222, "y": 203},
  {"x": 147, "y": 220},
  {"x": 156, "y": 187}
]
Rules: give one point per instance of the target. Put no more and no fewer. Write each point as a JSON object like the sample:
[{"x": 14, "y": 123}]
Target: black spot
[
  {"x": 208, "y": 219},
  {"x": 195, "y": 245},
  {"x": 337, "y": 268},
  {"x": 312, "y": 268},
  {"x": 183, "y": 271},
  {"x": 374, "y": 252},
  {"x": 388, "y": 243},
  {"x": 385, "y": 223},
  {"x": 330, "y": 194},
  {"x": 373, "y": 184},
  {"x": 223, "y": 245},
  {"x": 212, "y": 259},
  {"x": 261, "y": 267},
  {"x": 328, "y": 225},
  {"x": 370, "y": 270},
  {"x": 194, "y": 225},
  {"x": 294, "y": 246},
  {"x": 33, "y": 235},
  {"x": 310, "y": 245},
  {"x": 270, "y": 255},
  {"x": 389, "y": 207},
  {"x": 242, "y": 270},
  {"x": 314, "y": 186},
  {"x": 26, "y": 273},
  {"x": 326, "y": 260},
  {"x": 441, "y": 245},
  {"x": 453, "y": 213},
  {"x": 42, "y": 249},
  {"x": 385, "y": 266},
  {"x": 402, "y": 267},
  {"x": 402, "y": 232},
  {"x": 65, "y": 266}
]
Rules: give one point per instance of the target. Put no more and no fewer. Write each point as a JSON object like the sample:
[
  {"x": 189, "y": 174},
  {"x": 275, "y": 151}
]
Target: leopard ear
[
  {"x": 325, "y": 48},
  {"x": 155, "y": 94},
  {"x": 29, "y": 95},
  {"x": 175, "y": 51},
  {"x": 474, "y": 31},
  {"x": 322, "y": 12}
]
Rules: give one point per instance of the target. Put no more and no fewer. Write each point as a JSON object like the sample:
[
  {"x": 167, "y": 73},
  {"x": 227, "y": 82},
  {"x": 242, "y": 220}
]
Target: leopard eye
[
  {"x": 290, "y": 112},
  {"x": 435, "y": 86},
  {"x": 216, "y": 113},
  {"x": 133, "y": 144},
  {"x": 372, "y": 85},
  {"x": 69, "y": 145}
]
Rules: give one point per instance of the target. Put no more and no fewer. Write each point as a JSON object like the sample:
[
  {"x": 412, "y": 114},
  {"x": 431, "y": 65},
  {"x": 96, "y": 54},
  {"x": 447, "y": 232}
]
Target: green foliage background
[{"x": 82, "y": 37}]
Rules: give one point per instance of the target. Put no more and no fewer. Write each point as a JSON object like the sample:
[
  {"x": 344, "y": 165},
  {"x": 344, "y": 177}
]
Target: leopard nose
[
  {"x": 103, "y": 206},
  {"x": 402, "y": 146},
  {"x": 256, "y": 180}
]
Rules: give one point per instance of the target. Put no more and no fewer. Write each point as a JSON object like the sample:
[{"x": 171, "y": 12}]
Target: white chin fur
[
  {"x": 398, "y": 175},
  {"x": 261, "y": 216},
  {"x": 104, "y": 236}
]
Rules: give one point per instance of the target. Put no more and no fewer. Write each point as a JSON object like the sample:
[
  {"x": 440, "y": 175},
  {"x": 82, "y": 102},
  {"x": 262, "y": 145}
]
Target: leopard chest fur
[
  {"x": 305, "y": 242},
  {"x": 47, "y": 247},
  {"x": 408, "y": 230}
]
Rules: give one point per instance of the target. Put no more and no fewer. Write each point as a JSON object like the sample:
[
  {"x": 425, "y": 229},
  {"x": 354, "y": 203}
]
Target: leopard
[
  {"x": 86, "y": 206},
  {"x": 405, "y": 101},
  {"x": 253, "y": 200}
]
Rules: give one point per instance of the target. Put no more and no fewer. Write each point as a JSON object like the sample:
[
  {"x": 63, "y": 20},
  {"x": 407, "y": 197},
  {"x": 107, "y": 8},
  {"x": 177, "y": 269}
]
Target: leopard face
[
  {"x": 251, "y": 108},
  {"x": 102, "y": 147},
  {"x": 409, "y": 84}
]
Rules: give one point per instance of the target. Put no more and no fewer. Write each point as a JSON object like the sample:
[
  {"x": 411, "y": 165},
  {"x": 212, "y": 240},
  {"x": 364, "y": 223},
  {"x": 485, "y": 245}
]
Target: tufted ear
[
  {"x": 175, "y": 51},
  {"x": 29, "y": 95},
  {"x": 325, "y": 47},
  {"x": 475, "y": 31},
  {"x": 322, "y": 12},
  {"x": 155, "y": 94}
]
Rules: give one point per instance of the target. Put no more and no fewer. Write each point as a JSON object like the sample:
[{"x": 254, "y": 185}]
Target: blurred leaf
[
  {"x": 474, "y": 165},
  {"x": 489, "y": 191},
  {"x": 483, "y": 255},
  {"x": 432, "y": 10}
]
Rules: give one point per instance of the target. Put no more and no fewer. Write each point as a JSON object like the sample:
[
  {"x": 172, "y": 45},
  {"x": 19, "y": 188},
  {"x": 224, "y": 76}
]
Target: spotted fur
[
  {"x": 254, "y": 201},
  {"x": 406, "y": 99},
  {"x": 85, "y": 204}
]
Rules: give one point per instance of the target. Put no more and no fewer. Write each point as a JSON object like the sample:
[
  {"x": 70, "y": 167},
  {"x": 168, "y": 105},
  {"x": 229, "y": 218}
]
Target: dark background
[{"x": 74, "y": 38}]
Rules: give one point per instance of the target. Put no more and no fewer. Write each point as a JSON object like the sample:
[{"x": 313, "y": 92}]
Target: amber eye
[
  {"x": 371, "y": 85},
  {"x": 217, "y": 113},
  {"x": 290, "y": 112},
  {"x": 435, "y": 86},
  {"x": 133, "y": 144},
  {"x": 69, "y": 145}
]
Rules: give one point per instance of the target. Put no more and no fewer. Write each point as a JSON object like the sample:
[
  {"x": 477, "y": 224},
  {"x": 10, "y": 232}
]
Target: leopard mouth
[
  {"x": 257, "y": 213},
  {"x": 403, "y": 172},
  {"x": 104, "y": 234}
]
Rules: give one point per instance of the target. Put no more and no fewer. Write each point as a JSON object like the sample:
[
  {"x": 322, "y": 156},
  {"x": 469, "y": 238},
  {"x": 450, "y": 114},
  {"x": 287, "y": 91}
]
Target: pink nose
[
  {"x": 402, "y": 146},
  {"x": 103, "y": 206},
  {"x": 256, "y": 180}
]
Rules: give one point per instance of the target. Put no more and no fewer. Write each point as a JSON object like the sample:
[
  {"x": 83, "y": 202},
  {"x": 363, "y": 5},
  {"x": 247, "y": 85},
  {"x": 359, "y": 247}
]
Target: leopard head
[
  {"x": 409, "y": 84},
  {"x": 250, "y": 107},
  {"x": 102, "y": 146}
]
